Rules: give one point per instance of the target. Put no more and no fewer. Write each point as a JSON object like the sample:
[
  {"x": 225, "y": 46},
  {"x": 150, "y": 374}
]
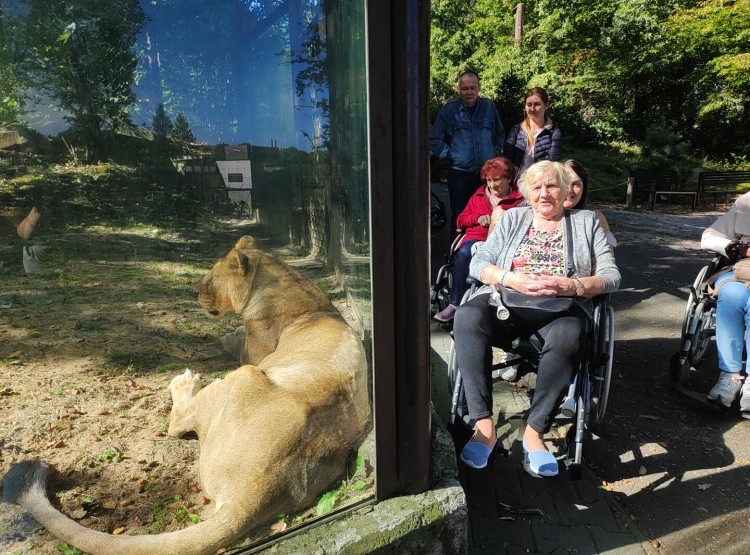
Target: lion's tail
[{"x": 25, "y": 485}]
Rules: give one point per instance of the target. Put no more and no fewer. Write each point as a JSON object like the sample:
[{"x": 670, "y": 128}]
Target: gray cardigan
[{"x": 592, "y": 255}]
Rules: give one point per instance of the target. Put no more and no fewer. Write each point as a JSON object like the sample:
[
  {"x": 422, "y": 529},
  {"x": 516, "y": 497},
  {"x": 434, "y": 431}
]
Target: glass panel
[{"x": 139, "y": 142}]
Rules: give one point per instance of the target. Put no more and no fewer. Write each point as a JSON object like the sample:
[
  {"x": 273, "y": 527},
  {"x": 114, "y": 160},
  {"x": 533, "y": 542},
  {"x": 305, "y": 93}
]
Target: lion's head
[{"x": 229, "y": 283}]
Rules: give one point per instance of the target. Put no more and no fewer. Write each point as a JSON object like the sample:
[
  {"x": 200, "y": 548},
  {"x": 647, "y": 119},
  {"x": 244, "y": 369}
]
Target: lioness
[{"x": 273, "y": 434}]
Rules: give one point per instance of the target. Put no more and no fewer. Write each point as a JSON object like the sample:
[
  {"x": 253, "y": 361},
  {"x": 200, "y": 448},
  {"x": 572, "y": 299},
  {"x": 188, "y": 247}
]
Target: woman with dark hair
[
  {"x": 497, "y": 191},
  {"x": 578, "y": 195},
  {"x": 536, "y": 137}
]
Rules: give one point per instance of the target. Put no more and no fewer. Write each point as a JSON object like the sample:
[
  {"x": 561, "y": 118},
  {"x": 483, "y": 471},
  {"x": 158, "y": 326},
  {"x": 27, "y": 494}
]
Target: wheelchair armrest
[
  {"x": 717, "y": 263},
  {"x": 460, "y": 232}
]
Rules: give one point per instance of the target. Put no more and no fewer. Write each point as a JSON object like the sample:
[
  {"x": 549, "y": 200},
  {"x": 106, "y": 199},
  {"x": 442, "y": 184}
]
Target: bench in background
[
  {"x": 722, "y": 183},
  {"x": 648, "y": 184}
]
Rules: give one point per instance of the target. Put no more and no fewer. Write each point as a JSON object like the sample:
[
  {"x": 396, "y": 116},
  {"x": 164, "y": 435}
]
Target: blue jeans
[
  {"x": 461, "y": 272},
  {"x": 732, "y": 319}
]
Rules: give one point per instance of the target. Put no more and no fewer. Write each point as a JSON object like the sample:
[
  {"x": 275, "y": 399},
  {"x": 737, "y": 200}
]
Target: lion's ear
[
  {"x": 238, "y": 262},
  {"x": 245, "y": 242},
  {"x": 245, "y": 264}
]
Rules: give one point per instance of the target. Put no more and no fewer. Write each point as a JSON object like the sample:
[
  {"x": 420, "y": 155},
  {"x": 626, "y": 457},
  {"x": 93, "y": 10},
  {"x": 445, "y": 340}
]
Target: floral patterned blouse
[{"x": 540, "y": 252}]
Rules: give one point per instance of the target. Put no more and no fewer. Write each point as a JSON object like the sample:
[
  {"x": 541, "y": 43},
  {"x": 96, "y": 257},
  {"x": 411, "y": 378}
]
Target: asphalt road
[{"x": 679, "y": 469}]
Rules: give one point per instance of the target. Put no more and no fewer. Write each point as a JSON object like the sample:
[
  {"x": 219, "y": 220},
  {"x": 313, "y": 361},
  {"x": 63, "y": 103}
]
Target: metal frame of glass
[{"x": 398, "y": 62}]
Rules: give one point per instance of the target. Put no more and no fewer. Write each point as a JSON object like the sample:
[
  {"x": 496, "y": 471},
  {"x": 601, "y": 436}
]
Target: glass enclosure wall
[{"x": 140, "y": 141}]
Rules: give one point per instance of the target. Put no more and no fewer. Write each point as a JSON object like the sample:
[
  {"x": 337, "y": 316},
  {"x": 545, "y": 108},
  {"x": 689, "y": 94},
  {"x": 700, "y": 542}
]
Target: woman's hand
[
  {"x": 496, "y": 213},
  {"x": 539, "y": 285},
  {"x": 484, "y": 220}
]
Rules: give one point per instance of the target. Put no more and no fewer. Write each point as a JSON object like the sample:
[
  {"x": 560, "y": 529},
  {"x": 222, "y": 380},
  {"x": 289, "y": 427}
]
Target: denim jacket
[{"x": 467, "y": 142}]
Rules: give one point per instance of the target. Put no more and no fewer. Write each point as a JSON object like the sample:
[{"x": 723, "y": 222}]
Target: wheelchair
[
  {"x": 437, "y": 212},
  {"x": 698, "y": 327},
  {"x": 440, "y": 293},
  {"x": 585, "y": 402}
]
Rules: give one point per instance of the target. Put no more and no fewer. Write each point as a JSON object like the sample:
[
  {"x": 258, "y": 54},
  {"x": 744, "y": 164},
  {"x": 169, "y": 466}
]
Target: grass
[
  {"x": 66, "y": 549},
  {"x": 110, "y": 455},
  {"x": 169, "y": 511}
]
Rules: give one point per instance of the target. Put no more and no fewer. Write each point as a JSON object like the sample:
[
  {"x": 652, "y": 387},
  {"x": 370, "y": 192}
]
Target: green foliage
[
  {"x": 66, "y": 549},
  {"x": 608, "y": 166},
  {"x": 110, "y": 455},
  {"x": 612, "y": 68},
  {"x": 79, "y": 54},
  {"x": 711, "y": 40},
  {"x": 333, "y": 498}
]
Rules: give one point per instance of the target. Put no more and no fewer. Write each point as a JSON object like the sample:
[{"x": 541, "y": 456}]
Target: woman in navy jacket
[{"x": 536, "y": 137}]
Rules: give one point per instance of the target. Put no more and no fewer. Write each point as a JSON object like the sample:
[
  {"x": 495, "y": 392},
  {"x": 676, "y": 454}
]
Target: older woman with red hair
[{"x": 496, "y": 191}]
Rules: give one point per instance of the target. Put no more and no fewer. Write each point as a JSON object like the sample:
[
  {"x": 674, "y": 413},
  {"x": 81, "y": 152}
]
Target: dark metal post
[{"x": 398, "y": 60}]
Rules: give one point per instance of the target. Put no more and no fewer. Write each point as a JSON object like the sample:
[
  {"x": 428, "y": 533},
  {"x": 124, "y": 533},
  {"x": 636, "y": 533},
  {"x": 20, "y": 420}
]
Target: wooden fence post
[{"x": 629, "y": 194}]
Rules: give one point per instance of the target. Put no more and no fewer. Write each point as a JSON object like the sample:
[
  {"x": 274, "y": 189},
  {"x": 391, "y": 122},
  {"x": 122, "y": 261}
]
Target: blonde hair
[
  {"x": 542, "y": 94},
  {"x": 541, "y": 170}
]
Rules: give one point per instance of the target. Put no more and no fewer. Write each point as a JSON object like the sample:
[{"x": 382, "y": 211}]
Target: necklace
[{"x": 547, "y": 226}]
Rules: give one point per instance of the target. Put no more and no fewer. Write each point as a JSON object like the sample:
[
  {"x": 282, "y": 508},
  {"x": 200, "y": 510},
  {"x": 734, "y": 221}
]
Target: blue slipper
[
  {"x": 540, "y": 463},
  {"x": 476, "y": 454}
]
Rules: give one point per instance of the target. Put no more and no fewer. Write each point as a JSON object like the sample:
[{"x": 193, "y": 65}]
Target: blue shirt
[{"x": 467, "y": 140}]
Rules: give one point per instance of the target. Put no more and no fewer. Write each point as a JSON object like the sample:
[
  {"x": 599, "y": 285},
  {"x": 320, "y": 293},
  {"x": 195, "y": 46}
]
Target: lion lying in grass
[{"x": 273, "y": 434}]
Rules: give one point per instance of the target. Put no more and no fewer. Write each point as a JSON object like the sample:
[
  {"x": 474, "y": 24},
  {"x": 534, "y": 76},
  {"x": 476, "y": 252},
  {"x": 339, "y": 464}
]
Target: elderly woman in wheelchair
[
  {"x": 526, "y": 253},
  {"x": 730, "y": 236}
]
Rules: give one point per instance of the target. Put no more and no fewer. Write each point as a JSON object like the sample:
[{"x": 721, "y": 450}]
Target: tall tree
[
  {"x": 82, "y": 55},
  {"x": 11, "y": 81},
  {"x": 181, "y": 130},
  {"x": 161, "y": 124},
  {"x": 710, "y": 42}
]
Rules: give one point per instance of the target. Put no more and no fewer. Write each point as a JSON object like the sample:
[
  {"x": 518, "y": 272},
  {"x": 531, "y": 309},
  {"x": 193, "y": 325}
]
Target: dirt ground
[{"x": 87, "y": 349}]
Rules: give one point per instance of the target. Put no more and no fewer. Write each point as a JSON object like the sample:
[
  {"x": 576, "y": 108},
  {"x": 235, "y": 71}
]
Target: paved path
[{"x": 511, "y": 512}]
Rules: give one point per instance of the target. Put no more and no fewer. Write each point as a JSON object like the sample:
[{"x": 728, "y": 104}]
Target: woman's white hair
[{"x": 545, "y": 169}]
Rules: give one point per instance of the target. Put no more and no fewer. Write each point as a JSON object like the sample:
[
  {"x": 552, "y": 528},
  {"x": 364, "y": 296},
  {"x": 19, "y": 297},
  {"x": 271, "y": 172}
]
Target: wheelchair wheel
[
  {"x": 700, "y": 329},
  {"x": 437, "y": 212},
  {"x": 441, "y": 289},
  {"x": 696, "y": 291},
  {"x": 601, "y": 368}
]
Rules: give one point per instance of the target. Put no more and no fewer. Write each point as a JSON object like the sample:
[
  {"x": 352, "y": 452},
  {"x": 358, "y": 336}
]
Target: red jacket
[{"x": 479, "y": 205}]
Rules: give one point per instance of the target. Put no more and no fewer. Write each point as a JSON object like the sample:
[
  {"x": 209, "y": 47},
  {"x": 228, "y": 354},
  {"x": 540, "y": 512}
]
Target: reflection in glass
[{"x": 139, "y": 140}]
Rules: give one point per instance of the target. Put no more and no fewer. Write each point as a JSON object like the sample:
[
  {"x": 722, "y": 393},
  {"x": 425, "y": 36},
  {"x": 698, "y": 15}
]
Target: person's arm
[
  {"x": 606, "y": 278},
  {"x": 439, "y": 136},
  {"x": 605, "y": 225},
  {"x": 472, "y": 215},
  {"x": 555, "y": 147},
  {"x": 721, "y": 233},
  {"x": 488, "y": 256},
  {"x": 494, "y": 218}
]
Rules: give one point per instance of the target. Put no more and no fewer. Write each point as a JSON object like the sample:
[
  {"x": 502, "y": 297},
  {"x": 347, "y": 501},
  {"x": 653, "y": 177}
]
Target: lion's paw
[{"x": 185, "y": 386}]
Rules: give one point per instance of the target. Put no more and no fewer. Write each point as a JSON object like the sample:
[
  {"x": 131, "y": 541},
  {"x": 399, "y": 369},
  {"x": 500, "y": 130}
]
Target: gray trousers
[{"x": 476, "y": 329}]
